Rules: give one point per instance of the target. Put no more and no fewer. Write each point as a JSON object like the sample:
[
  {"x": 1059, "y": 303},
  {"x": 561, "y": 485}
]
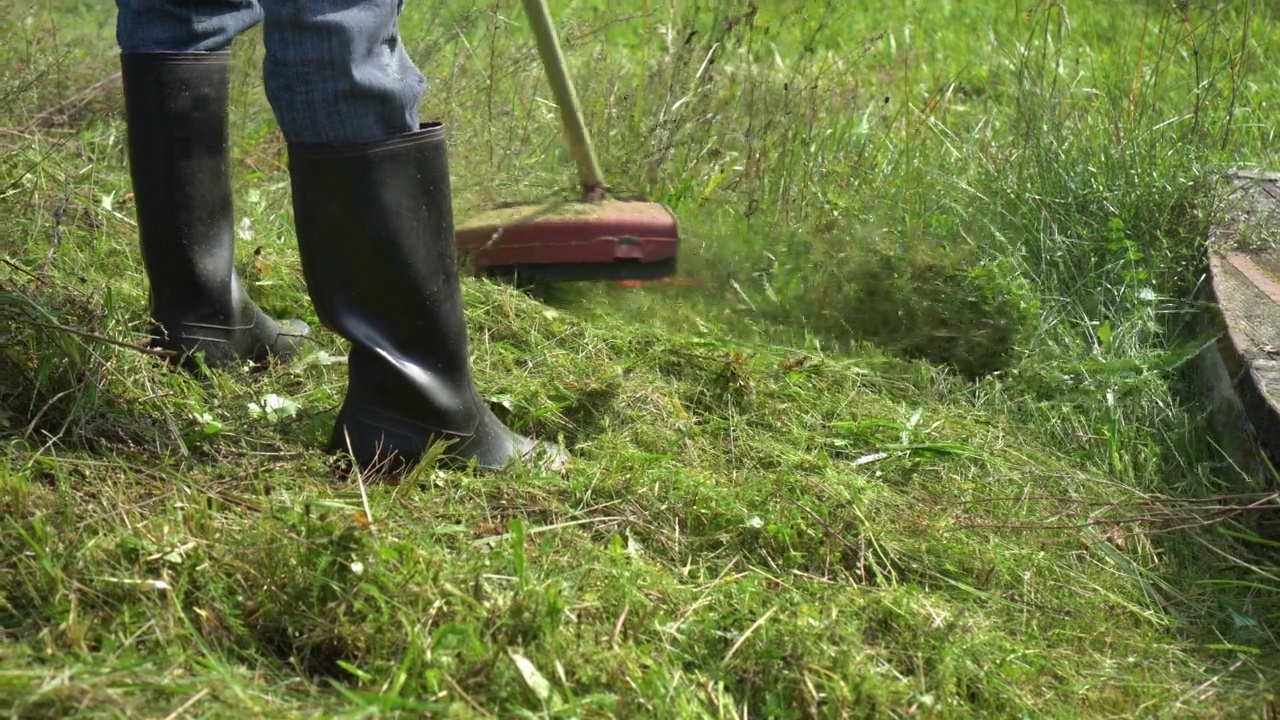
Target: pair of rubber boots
[{"x": 375, "y": 233}]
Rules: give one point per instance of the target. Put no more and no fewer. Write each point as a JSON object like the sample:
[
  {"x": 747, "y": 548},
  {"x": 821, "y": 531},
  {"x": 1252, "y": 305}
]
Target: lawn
[{"x": 915, "y": 435}]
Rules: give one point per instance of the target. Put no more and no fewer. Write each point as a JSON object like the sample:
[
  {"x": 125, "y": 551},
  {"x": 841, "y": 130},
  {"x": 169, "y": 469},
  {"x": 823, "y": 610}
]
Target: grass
[{"x": 916, "y": 443}]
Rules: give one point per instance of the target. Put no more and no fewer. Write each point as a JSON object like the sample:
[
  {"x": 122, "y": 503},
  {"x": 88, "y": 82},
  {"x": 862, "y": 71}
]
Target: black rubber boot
[
  {"x": 375, "y": 232},
  {"x": 179, "y": 160}
]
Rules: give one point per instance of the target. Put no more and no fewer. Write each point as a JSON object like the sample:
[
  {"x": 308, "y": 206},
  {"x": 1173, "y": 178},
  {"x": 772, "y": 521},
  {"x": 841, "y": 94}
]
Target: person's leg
[
  {"x": 178, "y": 26},
  {"x": 336, "y": 71},
  {"x": 175, "y": 67},
  {"x": 374, "y": 217}
]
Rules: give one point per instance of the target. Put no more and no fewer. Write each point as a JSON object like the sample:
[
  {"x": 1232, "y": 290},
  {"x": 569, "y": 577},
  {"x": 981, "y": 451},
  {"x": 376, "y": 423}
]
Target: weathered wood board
[{"x": 1244, "y": 269}]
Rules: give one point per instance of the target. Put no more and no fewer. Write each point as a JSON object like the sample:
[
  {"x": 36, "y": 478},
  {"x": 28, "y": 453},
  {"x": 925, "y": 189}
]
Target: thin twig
[
  {"x": 1224, "y": 513},
  {"x": 617, "y": 627},
  {"x": 31, "y": 426},
  {"x": 55, "y": 232},
  {"x": 75, "y": 102},
  {"x": 1237, "y": 561},
  {"x": 16, "y": 133},
  {"x": 1098, "y": 503},
  {"x": 364, "y": 500},
  {"x": 492, "y": 539},
  {"x": 754, "y": 626},
  {"x": 37, "y": 163},
  {"x": 1211, "y": 681},
  {"x": 158, "y": 352},
  {"x": 186, "y": 705},
  {"x": 463, "y": 694}
]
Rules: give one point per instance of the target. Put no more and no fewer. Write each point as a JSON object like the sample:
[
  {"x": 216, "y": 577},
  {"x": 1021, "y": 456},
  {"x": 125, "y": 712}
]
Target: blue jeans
[{"x": 335, "y": 70}]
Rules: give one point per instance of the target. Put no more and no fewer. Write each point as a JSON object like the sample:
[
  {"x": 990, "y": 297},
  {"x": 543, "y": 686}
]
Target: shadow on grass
[{"x": 68, "y": 383}]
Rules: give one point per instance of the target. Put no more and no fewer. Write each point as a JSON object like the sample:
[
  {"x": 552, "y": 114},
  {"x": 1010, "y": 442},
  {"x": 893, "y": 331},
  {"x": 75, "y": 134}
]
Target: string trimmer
[{"x": 593, "y": 238}]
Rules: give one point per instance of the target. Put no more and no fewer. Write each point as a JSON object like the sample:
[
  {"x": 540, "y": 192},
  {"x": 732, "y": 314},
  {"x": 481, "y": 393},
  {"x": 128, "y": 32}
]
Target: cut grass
[
  {"x": 912, "y": 448},
  {"x": 713, "y": 494}
]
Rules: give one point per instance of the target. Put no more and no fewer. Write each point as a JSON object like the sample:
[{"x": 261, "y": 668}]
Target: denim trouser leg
[
  {"x": 335, "y": 71},
  {"x": 168, "y": 26}
]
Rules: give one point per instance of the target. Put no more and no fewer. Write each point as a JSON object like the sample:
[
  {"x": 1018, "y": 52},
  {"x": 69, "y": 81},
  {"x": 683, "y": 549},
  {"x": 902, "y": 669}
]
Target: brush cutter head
[{"x": 570, "y": 241}]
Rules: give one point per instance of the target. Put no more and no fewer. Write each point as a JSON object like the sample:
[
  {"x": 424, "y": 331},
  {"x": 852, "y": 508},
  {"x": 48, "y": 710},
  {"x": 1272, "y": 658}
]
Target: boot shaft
[
  {"x": 179, "y": 162},
  {"x": 176, "y": 114},
  {"x": 375, "y": 232}
]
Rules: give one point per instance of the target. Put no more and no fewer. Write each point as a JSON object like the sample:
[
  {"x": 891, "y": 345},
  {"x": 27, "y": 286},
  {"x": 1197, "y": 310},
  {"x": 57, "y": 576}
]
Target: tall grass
[{"x": 965, "y": 196}]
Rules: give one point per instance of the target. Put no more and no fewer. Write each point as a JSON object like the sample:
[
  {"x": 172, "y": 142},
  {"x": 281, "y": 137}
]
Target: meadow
[{"x": 916, "y": 434}]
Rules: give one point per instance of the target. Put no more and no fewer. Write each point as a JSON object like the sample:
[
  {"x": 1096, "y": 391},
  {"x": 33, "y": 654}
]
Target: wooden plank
[{"x": 1244, "y": 270}]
